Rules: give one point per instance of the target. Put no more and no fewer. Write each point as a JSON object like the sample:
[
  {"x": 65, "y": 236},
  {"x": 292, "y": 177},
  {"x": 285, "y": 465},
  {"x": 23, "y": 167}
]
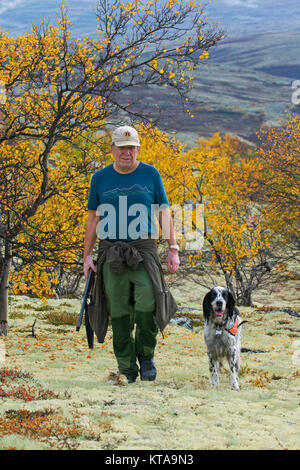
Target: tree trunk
[
  {"x": 5, "y": 265},
  {"x": 229, "y": 284},
  {"x": 245, "y": 289},
  {"x": 245, "y": 298}
]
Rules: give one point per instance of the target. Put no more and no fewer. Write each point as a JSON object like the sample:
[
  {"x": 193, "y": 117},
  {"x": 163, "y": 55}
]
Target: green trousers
[{"x": 119, "y": 288}]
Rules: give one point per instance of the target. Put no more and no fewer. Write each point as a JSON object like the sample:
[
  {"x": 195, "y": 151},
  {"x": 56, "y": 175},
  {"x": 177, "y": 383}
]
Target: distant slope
[
  {"x": 275, "y": 53},
  {"x": 242, "y": 17},
  {"x": 229, "y": 99},
  {"x": 245, "y": 82},
  {"x": 238, "y": 17}
]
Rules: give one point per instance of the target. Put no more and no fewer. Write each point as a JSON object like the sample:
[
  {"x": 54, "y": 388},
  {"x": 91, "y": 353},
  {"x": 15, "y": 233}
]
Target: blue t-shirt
[{"x": 126, "y": 203}]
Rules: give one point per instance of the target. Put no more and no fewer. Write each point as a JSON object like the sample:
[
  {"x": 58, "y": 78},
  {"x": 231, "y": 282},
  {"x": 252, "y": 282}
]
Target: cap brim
[{"x": 125, "y": 143}]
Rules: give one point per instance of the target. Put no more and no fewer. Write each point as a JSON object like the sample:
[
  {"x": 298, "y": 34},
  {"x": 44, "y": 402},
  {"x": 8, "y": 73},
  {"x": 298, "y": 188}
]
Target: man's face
[{"x": 125, "y": 158}]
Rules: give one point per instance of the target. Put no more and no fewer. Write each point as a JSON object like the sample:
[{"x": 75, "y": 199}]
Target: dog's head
[{"x": 218, "y": 305}]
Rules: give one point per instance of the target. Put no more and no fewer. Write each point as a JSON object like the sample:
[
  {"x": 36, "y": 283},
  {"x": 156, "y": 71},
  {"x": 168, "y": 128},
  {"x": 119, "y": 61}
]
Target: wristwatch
[{"x": 175, "y": 247}]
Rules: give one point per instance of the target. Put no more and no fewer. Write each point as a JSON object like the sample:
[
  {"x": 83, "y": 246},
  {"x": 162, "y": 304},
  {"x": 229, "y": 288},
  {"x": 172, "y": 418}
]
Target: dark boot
[{"x": 147, "y": 369}]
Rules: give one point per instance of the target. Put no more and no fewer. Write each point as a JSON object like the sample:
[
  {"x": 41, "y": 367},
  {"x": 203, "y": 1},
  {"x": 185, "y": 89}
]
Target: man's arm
[
  {"x": 167, "y": 226},
  {"x": 89, "y": 241}
]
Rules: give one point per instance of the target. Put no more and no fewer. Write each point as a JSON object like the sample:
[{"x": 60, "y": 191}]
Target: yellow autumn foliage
[
  {"x": 278, "y": 176},
  {"x": 49, "y": 115}
]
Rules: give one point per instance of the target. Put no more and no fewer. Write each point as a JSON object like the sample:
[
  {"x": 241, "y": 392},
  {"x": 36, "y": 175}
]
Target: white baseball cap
[{"x": 125, "y": 135}]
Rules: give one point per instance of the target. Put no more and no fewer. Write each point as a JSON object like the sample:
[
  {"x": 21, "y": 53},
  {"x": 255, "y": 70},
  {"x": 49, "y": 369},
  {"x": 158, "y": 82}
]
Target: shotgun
[{"x": 84, "y": 309}]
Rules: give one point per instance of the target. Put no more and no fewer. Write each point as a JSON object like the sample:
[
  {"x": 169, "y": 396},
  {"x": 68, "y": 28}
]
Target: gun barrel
[{"x": 86, "y": 291}]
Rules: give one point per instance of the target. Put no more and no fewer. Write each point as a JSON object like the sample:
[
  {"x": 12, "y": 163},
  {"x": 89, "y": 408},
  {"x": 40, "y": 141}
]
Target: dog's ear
[
  {"x": 231, "y": 304},
  {"x": 207, "y": 305}
]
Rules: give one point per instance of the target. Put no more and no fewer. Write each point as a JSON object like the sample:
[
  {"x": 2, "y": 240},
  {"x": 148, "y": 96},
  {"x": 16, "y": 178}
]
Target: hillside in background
[
  {"x": 256, "y": 16},
  {"x": 246, "y": 81},
  {"x": 228, "y": 98}
]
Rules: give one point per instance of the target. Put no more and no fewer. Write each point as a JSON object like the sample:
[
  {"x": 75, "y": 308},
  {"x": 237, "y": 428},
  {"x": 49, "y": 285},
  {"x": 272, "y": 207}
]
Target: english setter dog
[{"x": 222, "y": 333}]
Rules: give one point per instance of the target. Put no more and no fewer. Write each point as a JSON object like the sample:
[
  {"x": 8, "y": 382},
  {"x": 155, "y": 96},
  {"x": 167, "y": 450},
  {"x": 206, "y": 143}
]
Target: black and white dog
[{"x": 222, "y": 333}]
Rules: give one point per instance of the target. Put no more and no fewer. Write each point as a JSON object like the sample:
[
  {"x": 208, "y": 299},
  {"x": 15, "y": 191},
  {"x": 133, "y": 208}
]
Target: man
[{"x": 128, "y": 269}]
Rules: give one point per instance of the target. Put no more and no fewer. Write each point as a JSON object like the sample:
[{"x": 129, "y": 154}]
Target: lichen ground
[{"x": 180, "y": 410}]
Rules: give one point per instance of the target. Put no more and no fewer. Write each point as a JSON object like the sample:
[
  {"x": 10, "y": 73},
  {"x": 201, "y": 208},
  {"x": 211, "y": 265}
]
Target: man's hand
[
  {"x": 173, "y": 261},
  {"x": 87, "y": 264}
]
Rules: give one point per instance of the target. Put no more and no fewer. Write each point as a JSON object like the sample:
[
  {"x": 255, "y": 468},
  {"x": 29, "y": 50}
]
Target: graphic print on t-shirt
[{"x": 134, "y": 191}]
